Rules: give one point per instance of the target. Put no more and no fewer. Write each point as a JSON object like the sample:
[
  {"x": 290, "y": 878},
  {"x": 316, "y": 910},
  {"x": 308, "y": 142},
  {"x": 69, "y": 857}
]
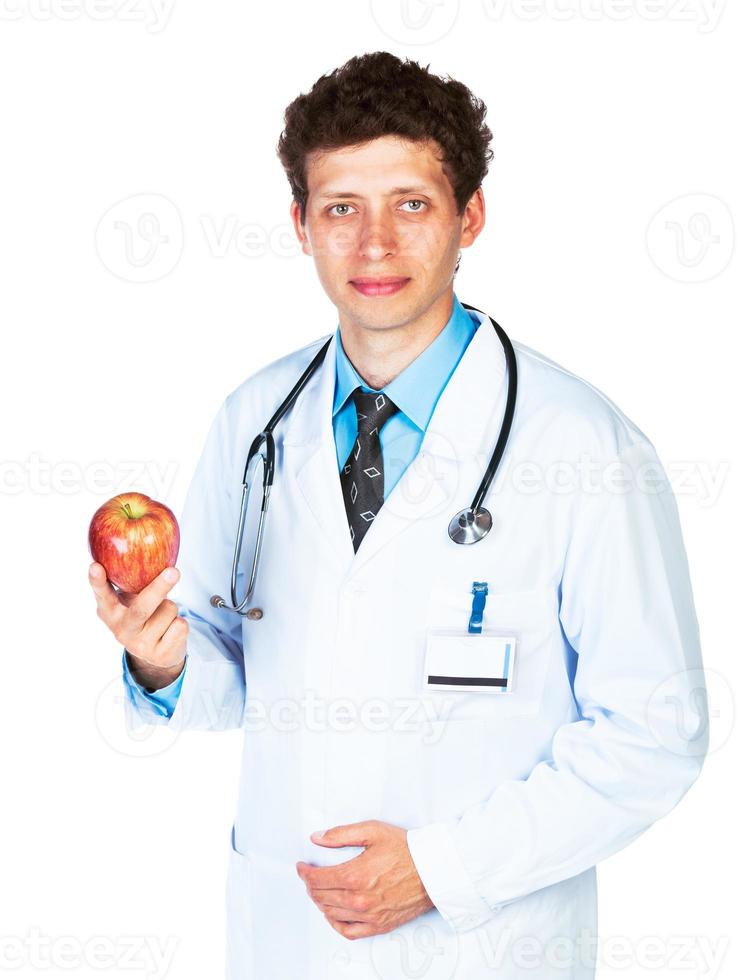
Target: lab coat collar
[
  {"x": 417, "y": 387},
  {"x": 463, "y": 429}
]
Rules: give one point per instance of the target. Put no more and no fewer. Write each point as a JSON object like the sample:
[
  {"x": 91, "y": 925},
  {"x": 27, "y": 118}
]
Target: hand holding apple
[
  {"x": 146, "y": 624},
  {"x": 134, "y": 541}
]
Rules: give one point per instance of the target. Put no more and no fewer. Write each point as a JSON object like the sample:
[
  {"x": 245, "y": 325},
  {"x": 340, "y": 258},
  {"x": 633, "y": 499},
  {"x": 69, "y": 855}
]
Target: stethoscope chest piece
[{"x": 469, "y": 526}]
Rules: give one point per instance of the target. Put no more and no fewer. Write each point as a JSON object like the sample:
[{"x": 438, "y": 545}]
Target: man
[{"x": 463, "y": 824}]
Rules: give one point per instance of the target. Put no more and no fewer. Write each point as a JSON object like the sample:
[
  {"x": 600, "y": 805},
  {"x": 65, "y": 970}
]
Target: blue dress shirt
[{"x": 415, "y": 391}]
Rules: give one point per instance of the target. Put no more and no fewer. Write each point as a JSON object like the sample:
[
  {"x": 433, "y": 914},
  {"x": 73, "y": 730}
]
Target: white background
[{"x": 114, "y": 362}]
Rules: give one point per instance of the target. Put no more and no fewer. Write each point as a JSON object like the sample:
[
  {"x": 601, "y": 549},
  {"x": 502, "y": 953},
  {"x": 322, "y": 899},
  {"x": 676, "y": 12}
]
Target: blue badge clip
[{"x": 477, "y": 610}]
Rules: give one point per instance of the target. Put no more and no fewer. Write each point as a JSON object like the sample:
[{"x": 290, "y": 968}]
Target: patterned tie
[{"x": 362, "y": 476}]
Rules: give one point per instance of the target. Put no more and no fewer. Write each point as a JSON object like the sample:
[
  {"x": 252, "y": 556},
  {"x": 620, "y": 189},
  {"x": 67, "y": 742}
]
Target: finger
[
  {"x": 159, "y": 622},
  {"x": 331, "y": 876},
  {"x": 171, "y": 646},
  {"x": 352, "y": 930},
  {"x": 332, "y": 896},
  {"x": 150, "y": 598},
  {"x": 107, "y": 600},
  {"x": 360, "y": 834},
  {"x": 339, "y": 914}
]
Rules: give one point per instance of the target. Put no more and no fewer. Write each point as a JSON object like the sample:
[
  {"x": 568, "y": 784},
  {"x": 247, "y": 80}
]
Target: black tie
[{"x": 362, "y": 477}]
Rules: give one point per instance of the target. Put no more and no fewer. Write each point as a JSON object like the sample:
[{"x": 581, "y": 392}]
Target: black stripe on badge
[{"x": 467, "y": 681}]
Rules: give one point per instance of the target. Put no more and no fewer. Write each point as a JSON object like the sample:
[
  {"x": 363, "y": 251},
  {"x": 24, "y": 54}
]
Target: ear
[
  {"x": 296, "y": 211},
  {"x": 474, "y": 218}
]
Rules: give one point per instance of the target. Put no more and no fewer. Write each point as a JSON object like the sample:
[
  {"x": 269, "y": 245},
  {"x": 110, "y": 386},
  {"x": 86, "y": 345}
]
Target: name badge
[{"x": 456, "y": 661}]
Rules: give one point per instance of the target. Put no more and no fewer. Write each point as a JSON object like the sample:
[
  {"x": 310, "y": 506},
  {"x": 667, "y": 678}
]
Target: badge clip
[{"x": 477, "y": 609}]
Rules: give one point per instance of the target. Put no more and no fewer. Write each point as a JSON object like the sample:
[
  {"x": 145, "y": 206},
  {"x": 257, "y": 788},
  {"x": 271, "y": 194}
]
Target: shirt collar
[{"x": 417, "y": 388}]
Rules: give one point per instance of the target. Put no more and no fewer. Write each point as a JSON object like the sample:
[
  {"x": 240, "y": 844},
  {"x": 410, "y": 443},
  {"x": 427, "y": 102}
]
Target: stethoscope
[{"x": 468, "y": 526}]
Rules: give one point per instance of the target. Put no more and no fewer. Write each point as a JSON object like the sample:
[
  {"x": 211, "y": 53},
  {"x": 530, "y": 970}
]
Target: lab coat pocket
[
  {"x": 530, "y": 618},
  {"x": 239, "y": 915}
]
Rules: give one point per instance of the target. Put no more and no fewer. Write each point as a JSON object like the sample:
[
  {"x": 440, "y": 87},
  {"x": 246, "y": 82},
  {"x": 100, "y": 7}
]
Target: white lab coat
[{"x": 509, "y": 801}]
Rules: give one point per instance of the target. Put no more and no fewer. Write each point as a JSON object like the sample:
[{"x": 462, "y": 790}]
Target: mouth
[{"x": 379, "y": 286}]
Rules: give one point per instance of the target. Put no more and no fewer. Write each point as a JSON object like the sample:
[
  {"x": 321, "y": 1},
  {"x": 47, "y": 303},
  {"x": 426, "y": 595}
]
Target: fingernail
[
  {"x": 170, "y": 574},
  {"x": 318, "y": 833},
  {"x": 93, "y": 570}
]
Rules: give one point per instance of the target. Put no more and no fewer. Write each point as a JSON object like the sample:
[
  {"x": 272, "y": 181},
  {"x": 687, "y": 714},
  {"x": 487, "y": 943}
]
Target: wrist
[
  {"x": 152, "y": 677},
  {"x": 142, "y": 660}
]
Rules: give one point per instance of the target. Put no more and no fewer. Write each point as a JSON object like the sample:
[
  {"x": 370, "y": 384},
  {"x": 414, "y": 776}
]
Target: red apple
[{"x": 134, "y": 538}]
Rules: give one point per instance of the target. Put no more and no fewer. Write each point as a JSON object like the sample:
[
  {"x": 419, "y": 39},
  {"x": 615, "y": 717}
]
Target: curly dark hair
[{"x": 378, "y": 94}]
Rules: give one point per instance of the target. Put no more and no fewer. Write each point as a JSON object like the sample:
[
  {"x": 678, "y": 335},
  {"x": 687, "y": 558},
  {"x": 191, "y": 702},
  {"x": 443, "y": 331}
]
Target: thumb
[{"x": 358, "y": 834}]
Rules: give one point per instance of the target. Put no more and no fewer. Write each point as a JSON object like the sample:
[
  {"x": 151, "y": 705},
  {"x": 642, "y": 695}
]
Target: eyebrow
[{"x": 393, "y": 190}]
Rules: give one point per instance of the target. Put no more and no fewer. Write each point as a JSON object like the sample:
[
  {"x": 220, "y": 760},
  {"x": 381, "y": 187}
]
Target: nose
[{"x": 377, "y": 239}]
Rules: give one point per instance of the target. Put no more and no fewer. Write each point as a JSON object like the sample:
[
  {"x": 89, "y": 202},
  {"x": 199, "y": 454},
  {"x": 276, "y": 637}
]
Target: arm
[
  {"x": 627, "y": 610},
  {"x": 210, "y": 692}
]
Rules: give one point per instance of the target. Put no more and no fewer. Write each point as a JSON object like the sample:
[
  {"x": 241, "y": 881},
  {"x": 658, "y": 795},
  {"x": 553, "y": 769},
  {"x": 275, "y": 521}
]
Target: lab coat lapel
[
  {"x": 310, "y": 452},
  {"x": 456, "y": 447}
]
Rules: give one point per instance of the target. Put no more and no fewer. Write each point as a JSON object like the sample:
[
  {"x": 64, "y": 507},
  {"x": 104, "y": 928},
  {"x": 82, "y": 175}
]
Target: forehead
[{"x": 379, "y": 164}]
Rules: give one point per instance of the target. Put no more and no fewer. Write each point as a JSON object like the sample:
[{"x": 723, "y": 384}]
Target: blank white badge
[{"x": 469, "y": 661}]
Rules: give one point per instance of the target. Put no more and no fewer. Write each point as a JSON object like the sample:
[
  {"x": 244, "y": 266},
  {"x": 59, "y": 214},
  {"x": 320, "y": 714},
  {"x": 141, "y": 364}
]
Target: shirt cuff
[
  {"x": 162, "y": 701},
  {"x": 445, "y": 878}
]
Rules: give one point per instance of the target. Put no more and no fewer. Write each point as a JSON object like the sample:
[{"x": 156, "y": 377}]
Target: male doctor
[{"x": 389, "y": 825}]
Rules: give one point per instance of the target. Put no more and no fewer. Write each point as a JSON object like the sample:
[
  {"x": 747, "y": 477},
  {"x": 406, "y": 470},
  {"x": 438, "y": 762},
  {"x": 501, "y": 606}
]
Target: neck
[{"x": 380, "y": 354}]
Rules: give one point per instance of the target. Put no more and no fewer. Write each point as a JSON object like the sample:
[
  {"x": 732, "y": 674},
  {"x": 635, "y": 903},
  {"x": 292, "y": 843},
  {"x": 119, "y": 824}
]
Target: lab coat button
[{"x": 341, "y": 959}]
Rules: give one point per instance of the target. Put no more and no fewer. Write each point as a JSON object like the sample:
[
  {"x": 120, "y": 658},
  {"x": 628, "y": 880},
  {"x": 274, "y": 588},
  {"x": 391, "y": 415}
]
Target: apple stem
[{"x": 126, "y": 508}]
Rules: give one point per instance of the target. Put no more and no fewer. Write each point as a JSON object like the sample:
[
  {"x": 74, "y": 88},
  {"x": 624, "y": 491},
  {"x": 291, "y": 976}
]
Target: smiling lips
[{"x": 385, "y": 286}]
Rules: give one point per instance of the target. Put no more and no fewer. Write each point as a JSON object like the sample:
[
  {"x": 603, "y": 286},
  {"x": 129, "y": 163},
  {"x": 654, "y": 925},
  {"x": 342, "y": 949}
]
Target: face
[{"x": 382, "y": 228}]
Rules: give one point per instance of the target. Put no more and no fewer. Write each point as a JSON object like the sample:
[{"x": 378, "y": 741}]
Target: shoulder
[
  {"x": 262, "y": 391},
  {"x": 566, "y": 410}
]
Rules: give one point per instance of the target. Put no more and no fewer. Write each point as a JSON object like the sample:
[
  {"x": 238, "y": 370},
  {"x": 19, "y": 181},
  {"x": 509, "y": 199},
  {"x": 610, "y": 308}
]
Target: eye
[
  {"x": 342, "y": 215},
  {"x": 414, "y": 210}
]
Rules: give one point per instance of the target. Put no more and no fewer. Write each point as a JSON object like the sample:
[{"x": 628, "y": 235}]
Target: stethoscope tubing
[{"x": 269, "y": 462}]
